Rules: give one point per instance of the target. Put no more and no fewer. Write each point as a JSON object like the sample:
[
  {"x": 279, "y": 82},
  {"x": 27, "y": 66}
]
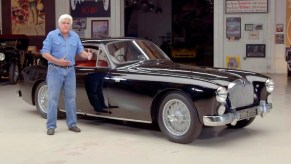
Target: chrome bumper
[{"x": 233, "y": 117}]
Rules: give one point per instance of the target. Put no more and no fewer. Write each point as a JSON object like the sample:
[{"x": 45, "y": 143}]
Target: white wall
[
  {"x": 274, "y": 61},
  {"x": 280, "y": 65}
]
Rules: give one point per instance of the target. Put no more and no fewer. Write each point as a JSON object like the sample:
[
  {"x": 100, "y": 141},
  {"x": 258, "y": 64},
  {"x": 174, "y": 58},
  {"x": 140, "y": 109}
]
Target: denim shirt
[{"x": 59, "y": 47}]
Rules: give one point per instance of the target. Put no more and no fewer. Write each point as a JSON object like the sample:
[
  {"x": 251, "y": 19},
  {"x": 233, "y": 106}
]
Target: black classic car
[
  {"x": 11, "y": 49},
  {"x": 133, "y": 80}
]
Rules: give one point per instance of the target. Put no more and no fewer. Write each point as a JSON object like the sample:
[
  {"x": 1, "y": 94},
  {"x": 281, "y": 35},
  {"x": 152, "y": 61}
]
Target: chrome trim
[
  {"x": 114, "y": 118},
  {"x": 234, "y": 116}
]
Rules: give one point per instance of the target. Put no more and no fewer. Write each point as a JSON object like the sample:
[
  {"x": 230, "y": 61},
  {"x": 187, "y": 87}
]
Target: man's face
[{"x": 65, "y": 26}]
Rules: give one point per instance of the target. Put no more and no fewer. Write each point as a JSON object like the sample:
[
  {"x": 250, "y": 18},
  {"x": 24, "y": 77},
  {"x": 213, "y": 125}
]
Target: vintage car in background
[
  {"x": 133, "y": 80},
  {"x": 12, "y": 49}
]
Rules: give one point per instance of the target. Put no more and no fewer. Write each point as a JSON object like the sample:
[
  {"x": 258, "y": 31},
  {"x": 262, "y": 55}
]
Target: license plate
[{"x": 247, "y": 113}]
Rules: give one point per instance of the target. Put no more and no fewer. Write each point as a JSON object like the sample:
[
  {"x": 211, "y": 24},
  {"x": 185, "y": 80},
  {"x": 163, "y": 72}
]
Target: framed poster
[
  {"x": 79, "y": 23},
  {"x": 256, "y": 50},
  {"x": 233, "y": 28},
  {"x": 279, "y": 38},
  {"x": 28, "y": 18},
  {"x": 35, "y": 26},
  {"x": 249, "y": 27},
  {"x": 246, "y": 6},
  {"x": 99, "y": 29},
  {"x": 233, "y": 62}
]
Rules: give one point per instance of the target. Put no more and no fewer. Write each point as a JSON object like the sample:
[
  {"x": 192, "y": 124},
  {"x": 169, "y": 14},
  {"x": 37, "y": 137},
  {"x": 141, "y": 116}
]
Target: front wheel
[
  {"x": 13, "y": 73},
  {"x": 241, "y": 123},
  {"x": 178, "y": 119}
]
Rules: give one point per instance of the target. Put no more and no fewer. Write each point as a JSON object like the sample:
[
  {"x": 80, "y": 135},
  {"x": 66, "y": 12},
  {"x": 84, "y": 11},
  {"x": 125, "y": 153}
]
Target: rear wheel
[
  {"x": 178, "y": 119},
  {"x": 242, "y": 123},
  {"x": 13, "y": 73}
]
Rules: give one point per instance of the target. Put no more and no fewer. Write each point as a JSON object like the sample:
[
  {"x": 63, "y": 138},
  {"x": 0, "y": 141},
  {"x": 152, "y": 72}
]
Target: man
[{"x": 60, "y": 48}]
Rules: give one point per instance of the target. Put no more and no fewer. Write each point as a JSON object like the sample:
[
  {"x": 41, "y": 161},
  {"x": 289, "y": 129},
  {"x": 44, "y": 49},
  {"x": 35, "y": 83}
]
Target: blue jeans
[{"x": 57, "y": 79}]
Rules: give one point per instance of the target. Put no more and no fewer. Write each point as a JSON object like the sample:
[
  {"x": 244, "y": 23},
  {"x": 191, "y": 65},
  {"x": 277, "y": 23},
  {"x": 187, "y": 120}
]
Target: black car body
[
  {"x": 136, "y": 81},
  {"x": 11, "y": 49}
]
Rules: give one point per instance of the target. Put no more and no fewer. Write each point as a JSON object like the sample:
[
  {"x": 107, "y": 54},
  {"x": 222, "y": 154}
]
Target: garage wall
[
  {"x": 280, "y": 65},
  {"x": 274, "y": 61}
]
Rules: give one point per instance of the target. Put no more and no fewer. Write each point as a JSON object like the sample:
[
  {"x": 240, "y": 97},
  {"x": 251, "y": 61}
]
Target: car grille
[{"x": 241, "y": 93}]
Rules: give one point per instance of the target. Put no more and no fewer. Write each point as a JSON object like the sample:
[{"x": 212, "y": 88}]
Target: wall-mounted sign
[
  {"x": 256, "y": 50},
  {"x": 90, "y": 8},
  {"x": 246, "y": 6},
  {"x": 233, "y": 28}
]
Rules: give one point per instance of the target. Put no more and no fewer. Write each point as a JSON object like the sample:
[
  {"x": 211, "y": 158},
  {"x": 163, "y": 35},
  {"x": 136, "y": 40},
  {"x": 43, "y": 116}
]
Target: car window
[{"x": 125, "y": 52}]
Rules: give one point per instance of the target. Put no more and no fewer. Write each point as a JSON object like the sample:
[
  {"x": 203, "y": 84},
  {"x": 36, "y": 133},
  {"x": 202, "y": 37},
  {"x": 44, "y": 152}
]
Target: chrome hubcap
[
  {"x": 176, "y": 117},
  {"x": 43, "y": 98}
]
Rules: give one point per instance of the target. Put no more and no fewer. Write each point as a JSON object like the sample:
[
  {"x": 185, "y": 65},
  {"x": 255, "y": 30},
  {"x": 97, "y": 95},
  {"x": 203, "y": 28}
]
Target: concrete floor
[{"x": 23, "y": 138}]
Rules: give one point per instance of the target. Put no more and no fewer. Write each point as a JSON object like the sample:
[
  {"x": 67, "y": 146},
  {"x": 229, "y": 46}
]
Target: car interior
[{"x": 99, "y": 59}]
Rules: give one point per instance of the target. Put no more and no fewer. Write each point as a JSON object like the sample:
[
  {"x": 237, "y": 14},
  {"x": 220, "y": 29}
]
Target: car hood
[{"x": 217, "y": 76}]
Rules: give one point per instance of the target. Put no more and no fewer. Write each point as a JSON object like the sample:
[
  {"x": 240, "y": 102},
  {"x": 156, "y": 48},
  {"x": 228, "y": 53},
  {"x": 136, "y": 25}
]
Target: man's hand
[
  {"x": 89, "y": 53},
  {"x": 64, "y": 62}
]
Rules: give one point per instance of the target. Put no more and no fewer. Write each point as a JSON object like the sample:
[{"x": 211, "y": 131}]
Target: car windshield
[{"x": 134, "y": 50}]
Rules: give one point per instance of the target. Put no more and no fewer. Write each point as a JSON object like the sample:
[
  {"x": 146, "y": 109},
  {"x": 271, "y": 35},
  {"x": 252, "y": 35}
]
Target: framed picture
[
  {"x": 256, "y": 50},
  {"x": 99, "y": 29},
  {"x": 258, "y": 27},
  {"x": 249, "y": 27},
  {"x": 279, "y": 38},
  {"x": 279, "y": 28},
  {"x": 79, "y": 23},
  {"x": 233, "y": 28}
]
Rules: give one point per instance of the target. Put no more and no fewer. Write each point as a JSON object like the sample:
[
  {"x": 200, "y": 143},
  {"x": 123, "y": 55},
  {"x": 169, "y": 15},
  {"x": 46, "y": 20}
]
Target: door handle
[{"x": 118, "y": 79}]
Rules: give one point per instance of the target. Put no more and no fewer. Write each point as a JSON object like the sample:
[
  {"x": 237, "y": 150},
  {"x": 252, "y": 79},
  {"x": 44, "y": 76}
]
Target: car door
[
  {"x": 90, "y": 86},
  {"x": 127, "y": 94}
]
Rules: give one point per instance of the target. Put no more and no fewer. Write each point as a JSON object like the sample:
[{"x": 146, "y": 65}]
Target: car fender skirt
[{"x": 235, "y": 116}]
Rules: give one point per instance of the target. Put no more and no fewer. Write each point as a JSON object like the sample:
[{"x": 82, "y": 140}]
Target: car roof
[{"x": 107, "y": 40}]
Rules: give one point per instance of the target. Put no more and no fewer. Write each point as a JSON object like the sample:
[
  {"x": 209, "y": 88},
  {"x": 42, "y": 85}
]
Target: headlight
[
  {"x": 221, "y": 110},
  {"x": 270, "y": 85},
  {"x": 221, "y": 94},
  {"x": 2, "y": 56}
]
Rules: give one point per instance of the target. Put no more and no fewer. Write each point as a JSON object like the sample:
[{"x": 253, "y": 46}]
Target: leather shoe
[
  {"x": 50, "y": 132},
  {"x": 75, "y": 129}
]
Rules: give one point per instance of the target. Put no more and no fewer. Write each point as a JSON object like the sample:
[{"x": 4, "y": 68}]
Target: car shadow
[{"x": 209, "y": 136}]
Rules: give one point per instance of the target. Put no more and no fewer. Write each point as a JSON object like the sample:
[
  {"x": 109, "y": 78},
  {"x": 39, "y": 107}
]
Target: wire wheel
[{"x": 176, "y": 117}]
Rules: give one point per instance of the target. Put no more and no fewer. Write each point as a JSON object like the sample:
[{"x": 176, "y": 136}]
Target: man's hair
[{"x": 65, "y": 16}]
